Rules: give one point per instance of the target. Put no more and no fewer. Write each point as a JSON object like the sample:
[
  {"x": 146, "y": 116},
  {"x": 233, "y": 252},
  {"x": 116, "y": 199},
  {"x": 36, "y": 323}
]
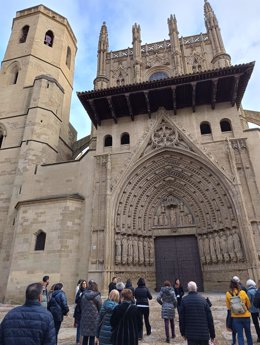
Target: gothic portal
[{"x": 168, "y": 184}]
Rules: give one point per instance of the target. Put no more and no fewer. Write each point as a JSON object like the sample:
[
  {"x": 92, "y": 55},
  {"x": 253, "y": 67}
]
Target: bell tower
[
  {"x": 35, "y": 94},
  {"x": 39, "y": 59}
]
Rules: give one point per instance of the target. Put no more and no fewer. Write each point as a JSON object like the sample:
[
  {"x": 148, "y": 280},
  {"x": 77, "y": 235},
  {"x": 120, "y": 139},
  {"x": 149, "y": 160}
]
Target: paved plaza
[{"x": 223, "y": 337}]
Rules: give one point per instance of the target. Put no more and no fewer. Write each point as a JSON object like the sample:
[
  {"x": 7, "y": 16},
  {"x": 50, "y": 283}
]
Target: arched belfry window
[
  {"x": 125, "y": 139},
  {"x": 24, "y": 34},
  {"x": 108, "y": 141},
  {"x": 68, "y": 57},
  {"x": 225, "y": 125},
  {"x": 158, "y": 76},
  {"x": 49, "y": 38},
  {"x": 40, "y": 240},
  {"x": 205, "y": 128}
]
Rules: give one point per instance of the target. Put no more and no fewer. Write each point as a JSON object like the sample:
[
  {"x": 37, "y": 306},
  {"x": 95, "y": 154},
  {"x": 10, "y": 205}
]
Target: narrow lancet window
[
  {"x": 68, "y": 57},
  {"x": 40, "y": 240}
]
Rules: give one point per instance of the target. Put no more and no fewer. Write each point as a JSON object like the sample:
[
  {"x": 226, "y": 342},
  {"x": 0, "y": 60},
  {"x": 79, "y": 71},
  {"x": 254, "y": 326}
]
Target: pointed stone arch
[{"x": 171, "y": 189}]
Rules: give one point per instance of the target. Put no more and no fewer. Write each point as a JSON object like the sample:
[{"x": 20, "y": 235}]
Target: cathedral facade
[{"x": 169, "y": 183}]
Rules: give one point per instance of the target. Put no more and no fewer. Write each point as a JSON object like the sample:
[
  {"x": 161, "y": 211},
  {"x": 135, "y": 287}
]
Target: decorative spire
[
  {"x": 103, "y": 38},
  {"x": 136, "y": 30},
  {"x": 220, "y": 58},
  {"x": 210, "y": 18},
  {"x": 101, "y": 79}
]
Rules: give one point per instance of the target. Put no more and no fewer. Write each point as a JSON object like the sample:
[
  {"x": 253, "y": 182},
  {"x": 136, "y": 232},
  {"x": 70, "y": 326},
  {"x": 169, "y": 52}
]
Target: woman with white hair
[{"x": 251, "y": 290}]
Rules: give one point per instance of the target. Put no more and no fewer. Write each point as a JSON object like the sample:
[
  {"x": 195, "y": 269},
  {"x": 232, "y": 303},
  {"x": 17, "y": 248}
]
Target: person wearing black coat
[
  {"x": 179, "y": 292},
  {"x": 77, "y": 310},
  {"x": 30, "y": 323},
  {"x": 58, "y": 306},
  {"x": 128, "y": 285},
  {"x": 112, "y": 285},
  {"x": 196, "y": 322},
  {"x": 142, "y": 295},
  {"x": 125, "y": 321}
]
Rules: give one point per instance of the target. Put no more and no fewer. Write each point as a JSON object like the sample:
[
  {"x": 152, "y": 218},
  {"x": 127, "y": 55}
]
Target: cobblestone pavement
[{"x": 223, "y": 337}]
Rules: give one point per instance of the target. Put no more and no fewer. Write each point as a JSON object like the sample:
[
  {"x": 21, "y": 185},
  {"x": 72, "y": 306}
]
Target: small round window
[{"x": 158, "y": 75}]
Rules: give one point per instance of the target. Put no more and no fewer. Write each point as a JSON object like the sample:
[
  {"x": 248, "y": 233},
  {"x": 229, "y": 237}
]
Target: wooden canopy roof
[{"x": 191, "y": 90}]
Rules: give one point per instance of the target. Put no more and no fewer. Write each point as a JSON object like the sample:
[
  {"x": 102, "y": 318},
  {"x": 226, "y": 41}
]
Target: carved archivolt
[
  {"x": 221, "y": 246},
  {"x": 174, "y": 187}
]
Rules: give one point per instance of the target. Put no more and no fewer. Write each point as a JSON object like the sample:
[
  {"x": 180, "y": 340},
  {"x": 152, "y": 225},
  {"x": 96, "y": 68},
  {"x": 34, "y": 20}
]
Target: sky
[{"x": 238, "y": 20}]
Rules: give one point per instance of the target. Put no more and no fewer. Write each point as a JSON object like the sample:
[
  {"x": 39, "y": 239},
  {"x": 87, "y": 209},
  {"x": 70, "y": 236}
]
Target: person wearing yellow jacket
[{"x": 241, "y": 321}]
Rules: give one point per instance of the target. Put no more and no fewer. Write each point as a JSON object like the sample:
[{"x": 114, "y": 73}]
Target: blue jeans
[{"x": 240, "y": 324}]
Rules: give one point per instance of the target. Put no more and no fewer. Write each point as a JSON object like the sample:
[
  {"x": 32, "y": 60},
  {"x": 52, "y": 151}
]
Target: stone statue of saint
[
  {"x": 161, "y": 217},
  {"x": 129, "y": 250},
  {"x": 155, "y": 220},
  {"x": 207, "y": 249},
  {"x": 212, "y": 249},
  {"x": 224, "y": 246},
  {"x": 218, "y": 248},
  {"x": 118, "y": 251},
  {"x": 172, "y": 213},
  {"x": 231, "y": 249},
  {"x": 124, "y": 250},
  {"x": 146, "y": 251},
  {"x": 135, "y": 250},
  {"x": 237, "y": 246},
  {"x": 151, "y": 251},
  {"x": 202, "y": 256},
  {"x": 141, "y": 251},
  {"x": 189, "y": 218}
]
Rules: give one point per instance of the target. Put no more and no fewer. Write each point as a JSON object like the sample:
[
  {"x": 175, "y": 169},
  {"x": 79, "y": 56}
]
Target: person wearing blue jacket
[
  {"x": 30, "y": 323},
  {"x": 58, "y": 306},
  {"x": 251, "y": 291},
  {"x": 104, "y": 329}
]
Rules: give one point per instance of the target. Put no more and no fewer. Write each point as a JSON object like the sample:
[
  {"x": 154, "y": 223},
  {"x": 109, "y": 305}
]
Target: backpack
[
  {"x": 256, "y": 301},
  {"x": 237, "y": 306}
]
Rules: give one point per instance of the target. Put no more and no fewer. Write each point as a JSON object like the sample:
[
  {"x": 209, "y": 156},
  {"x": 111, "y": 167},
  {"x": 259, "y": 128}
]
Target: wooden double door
[{"x": 177, "y": 257}]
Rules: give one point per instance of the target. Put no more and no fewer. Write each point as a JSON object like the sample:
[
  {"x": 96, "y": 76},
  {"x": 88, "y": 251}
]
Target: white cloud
[{"x": 238, "y": 20}]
